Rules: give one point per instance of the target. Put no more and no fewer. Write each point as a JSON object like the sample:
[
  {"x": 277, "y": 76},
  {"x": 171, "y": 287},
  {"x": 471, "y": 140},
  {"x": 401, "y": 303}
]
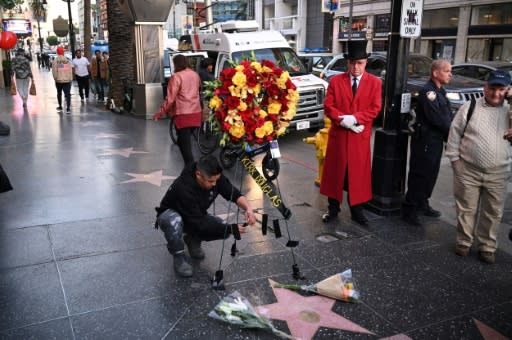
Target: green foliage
[{"x": 52, "y": 40}]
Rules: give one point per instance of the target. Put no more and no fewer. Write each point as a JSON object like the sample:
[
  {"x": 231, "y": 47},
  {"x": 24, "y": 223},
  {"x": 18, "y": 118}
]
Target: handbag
[
  {"x": 13, "y": 86},
  {"x": 32, "y": 91}
]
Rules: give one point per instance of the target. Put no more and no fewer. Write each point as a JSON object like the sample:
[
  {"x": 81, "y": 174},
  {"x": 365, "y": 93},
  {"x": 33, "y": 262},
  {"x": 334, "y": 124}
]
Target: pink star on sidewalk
[
  {"x": 126, "y": 152},
  {"x": 304, "y": 315},
  {"x": 155, "y": 177}
]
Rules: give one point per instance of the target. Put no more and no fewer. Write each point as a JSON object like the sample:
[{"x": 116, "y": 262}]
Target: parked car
[
  {"x": 459, "y": 90},
  {"x": 481, "y": 69},
  {"x": 315, "y": 62}
]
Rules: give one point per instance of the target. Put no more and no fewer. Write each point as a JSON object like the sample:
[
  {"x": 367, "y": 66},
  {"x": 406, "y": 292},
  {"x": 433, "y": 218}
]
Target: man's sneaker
[
  {"x": 68, "y": 110},
  {"x": 182, "y": 265},
  {"x": 487, "y": 257},
  {"x": 194, "y": 247},
  {"x": 59, "y": 108},
  {"x": 431, "y": 212},
  {"x": 461, "y": 250}
]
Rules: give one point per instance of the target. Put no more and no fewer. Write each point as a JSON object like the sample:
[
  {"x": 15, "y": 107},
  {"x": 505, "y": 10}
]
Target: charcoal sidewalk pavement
[{"x": 79, "y": 258}]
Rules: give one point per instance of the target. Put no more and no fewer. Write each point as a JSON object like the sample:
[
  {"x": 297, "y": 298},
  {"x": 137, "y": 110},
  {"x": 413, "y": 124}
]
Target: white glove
[
  {"x": 357, "y": 128},
  {"x": 347, "y": 121}
]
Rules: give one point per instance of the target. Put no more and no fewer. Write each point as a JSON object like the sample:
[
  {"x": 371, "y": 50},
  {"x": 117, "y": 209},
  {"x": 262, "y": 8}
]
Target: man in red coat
[{"x": 352, "y": 102}]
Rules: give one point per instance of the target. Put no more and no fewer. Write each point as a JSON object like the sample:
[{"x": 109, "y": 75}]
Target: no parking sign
[{"x": 410, "y": 21}]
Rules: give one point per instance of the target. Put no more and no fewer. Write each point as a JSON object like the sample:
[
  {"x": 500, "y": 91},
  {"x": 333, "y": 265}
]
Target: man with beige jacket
[
  {"x": 479, "y": 150},
  {"x": 62, "y": 70}
]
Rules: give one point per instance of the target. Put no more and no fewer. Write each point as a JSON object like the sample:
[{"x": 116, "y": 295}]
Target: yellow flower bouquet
[{"x": 252, "y": 102}]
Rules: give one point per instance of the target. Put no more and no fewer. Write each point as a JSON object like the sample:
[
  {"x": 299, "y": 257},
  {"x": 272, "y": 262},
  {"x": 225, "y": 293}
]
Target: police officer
[{"x": 433, "y": 124}]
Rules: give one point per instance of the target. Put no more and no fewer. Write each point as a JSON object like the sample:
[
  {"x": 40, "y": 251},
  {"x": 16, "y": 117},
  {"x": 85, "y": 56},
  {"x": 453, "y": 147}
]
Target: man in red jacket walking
[{"x": 352, "y": 102}]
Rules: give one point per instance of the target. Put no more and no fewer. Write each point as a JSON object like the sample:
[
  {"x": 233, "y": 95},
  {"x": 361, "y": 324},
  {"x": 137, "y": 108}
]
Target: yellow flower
[
  {"x": 293, "y": 95},
  {"x": 266, "y": 69},
  {"x": 237, "y": 130},
  {"x": 239, "y": 68},
  {"x": 242, "y": 106},
  {"x": 233, "y": 117},
  {"x": 274, "y": 108},
  {"x": 268, "y": 127},
  {"x": 215, "y": 103},
  {"x": 281, "y": 81},
  {"x": 288, "y": 115},
  {"x": 262, "y": 113},
  {"x": 259, "y": 132},
  {"x": 234, "y": 91},
  {"x": 239, "y": 79},
  {"x": 255, "y": 90},
  {"x": 256, "y": 65},
  {"x": 282, "y": 128}
]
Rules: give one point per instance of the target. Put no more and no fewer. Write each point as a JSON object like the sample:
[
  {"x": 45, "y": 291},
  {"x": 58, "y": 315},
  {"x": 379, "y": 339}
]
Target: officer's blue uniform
[{"x": 433, "y": 124}]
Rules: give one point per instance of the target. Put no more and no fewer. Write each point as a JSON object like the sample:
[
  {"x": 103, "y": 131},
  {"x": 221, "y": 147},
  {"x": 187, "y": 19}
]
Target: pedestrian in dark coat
[{"x": 433, "y": 119}]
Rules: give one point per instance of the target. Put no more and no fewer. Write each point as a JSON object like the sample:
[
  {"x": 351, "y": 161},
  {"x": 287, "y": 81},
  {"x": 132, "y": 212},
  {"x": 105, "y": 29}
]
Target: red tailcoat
[{"x": 345, "y": 148}]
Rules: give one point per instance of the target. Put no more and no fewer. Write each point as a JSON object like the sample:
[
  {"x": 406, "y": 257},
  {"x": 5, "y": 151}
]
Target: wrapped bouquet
[
  {"x": 339, "y": 286},
  {"x": 237, "y": 310}
]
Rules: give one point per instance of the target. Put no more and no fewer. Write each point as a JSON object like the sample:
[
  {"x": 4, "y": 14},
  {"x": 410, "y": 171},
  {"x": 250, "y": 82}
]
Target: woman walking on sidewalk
[{"x": 23, "y": 74}]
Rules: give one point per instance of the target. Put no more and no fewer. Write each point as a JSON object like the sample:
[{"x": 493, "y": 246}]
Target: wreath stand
[{"x": 273, "y": 193}]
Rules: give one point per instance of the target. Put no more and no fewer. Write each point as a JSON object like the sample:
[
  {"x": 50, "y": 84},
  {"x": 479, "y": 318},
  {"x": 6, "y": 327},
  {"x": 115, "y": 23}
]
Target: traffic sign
[{"x": 410, "y": 21}]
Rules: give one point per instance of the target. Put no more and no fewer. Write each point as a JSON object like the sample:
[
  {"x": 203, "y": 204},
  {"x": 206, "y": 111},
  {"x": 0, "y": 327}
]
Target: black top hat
[{"x": 356, "y": 50}]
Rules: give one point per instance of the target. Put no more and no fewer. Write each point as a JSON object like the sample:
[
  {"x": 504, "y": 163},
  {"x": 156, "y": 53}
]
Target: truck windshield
[{"x": 285, "y": 58}]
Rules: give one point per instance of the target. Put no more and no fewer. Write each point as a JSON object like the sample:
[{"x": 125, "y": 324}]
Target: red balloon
[{"x": 8, "y": 40}]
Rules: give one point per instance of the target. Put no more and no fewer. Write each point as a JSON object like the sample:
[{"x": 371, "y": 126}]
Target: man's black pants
[
  {"x": 424, "y": 164},
  {"x": 83, "y": 85},
  {"x": 209, "y": 228}
]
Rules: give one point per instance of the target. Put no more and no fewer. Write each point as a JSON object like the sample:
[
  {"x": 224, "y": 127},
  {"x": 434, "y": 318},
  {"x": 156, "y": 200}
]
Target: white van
[{"x": 238, "y": 40}]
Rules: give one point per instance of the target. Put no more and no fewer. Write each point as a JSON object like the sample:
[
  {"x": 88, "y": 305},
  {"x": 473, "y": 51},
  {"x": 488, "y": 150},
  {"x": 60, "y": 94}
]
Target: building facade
[{"x": 458, "y": 31}]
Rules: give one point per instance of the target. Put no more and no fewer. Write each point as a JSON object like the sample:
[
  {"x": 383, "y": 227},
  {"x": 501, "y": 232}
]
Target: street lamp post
[
  {"x": 38, "y": 15},
  {"x": 71, "y": 32}
]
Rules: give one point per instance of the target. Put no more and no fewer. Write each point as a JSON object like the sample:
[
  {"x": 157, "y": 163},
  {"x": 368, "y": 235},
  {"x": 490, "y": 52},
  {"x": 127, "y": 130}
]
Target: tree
[
  {"x": 52, "y": 40},
  {"x": 121, "y": 42},
  {"x": 87, "y": 29}
]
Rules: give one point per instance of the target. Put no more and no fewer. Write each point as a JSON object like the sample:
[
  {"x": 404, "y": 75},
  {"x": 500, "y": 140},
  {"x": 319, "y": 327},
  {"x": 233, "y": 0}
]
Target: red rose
[
  {"x": 267, "y": 63},
  {"x": 232, "y": 102}
]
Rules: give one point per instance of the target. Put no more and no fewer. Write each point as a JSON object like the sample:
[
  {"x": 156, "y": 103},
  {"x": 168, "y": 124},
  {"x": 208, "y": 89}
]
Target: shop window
[
  {"x": 492, "y": 14},
  {"x": 440, "y": 18},
  {"x": 489, "y": 49}
]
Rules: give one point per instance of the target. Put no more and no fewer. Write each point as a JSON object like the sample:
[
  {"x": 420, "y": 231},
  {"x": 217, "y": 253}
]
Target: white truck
[{"x": 237, "y": 40}]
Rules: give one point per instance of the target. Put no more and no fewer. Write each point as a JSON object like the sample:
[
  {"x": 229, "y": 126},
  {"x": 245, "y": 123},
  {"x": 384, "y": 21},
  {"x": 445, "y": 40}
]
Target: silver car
[{"x": 480, "y": 70}]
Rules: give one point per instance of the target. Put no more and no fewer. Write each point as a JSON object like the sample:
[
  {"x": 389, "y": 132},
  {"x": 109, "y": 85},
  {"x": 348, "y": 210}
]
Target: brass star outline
[
  {"x": 305, "y": 314},
  {"x": 155, "y": 177},
  {"x": 125, "y": 152}
]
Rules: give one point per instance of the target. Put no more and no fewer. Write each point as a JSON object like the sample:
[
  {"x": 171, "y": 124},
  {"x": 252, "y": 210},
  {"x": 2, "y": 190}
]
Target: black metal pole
[{"x": 390, "y": 145}]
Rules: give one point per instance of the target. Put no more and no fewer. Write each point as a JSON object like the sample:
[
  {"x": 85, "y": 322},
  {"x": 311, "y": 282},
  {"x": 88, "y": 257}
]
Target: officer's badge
[{"x": 431, "y": 95}]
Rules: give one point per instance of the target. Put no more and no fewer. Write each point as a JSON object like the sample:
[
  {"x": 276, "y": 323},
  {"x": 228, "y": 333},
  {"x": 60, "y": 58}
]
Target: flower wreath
[{"x": 252, "y": 102}]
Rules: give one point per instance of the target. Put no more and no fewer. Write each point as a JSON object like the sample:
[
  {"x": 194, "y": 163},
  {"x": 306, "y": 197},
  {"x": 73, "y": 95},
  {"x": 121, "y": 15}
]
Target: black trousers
[
  {"x": 66, "y": 88},
  {"x": 83, "y": 85},
  {"x": 185, "y": 143},
  {"x": 209, "y": 228},
  {"x": 424, "y": 164}
]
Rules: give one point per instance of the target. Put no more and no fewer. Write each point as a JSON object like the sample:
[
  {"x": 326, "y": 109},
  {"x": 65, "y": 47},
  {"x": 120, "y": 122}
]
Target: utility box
[{"x": 148, "y": 98}]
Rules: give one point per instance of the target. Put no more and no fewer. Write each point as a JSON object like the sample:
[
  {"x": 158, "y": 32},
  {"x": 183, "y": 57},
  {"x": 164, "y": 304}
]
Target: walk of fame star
[
  {"x": 126, "y": 152},
  {"x": 304, "y": 315},
  {"x": 155, "y": 177},
  {"x": 108, "y": 135},
  {"x": 487, "y": 332}
]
